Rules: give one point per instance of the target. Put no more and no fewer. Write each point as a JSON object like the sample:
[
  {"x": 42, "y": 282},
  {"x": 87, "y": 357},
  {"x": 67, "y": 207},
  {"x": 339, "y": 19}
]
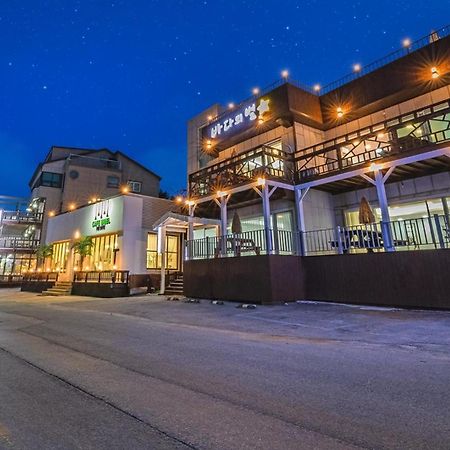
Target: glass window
[
  {"x": 51, "y": 179},
  {"x": 172, "y": 252},
  {"x": 103, "y": 255},
  {"x": 135, "y": 186},
  {"x": 113, "y": 182}
]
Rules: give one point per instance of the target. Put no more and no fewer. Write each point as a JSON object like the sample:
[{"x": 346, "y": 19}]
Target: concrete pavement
[{"x": 145, "y": 373}]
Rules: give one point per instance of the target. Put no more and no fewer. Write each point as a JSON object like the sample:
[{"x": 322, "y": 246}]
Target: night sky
[{"x": 127, "y": 75}]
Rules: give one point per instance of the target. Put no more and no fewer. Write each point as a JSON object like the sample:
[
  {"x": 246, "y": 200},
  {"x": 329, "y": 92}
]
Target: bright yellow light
[
  {"x": 434, "y": 73},
  {"x": 221, "y": 193},
  {"x": 178, "y": 199},
  {"x": 357, "y": 67},
  {"x": 114, "y": 267},
  {"x": 190, "y": 202},
  {"x": 208, "y": 144},
  {"x": 87, "y": 268},
  {"x": 210, "y": 118},
  {"x": 77, "y": 234},
  {"x": 261, "y": 181},
  {"x": 260, "y": 120},
  {"x": 340, "y": 112},
  {"x": 75, "y": 269},
  {"x": 406, "y": 42},
  {"x": 255, "y": 91},
  {"x": 39, "y": 270},
  {"x": 72, "y": 206},
  {"x": 284, "y": 74},
  {"x": 51, "y": 213},
  {"x": 316, "y": 87},
  {"x": 125, "y": 189}
]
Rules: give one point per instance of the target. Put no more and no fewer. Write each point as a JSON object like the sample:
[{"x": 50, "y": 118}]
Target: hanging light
[{"x": 434, "y": 73}]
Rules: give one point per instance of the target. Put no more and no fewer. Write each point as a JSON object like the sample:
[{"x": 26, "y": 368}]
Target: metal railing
[
  {"x": 413, "y": 46},
  {"x": 21, "y": 217},
  {"x": 261, "y": 161},
  {"x": 18, "y": 243},
  {"x": 11, "y": 278},
  {"x": 102, "y": 276},
  {"x": 91, "y": 161},
  {"x": 426, "y": 127},
  {"x": 410, "y": 234},
  {"x": 41, "y": 276}
]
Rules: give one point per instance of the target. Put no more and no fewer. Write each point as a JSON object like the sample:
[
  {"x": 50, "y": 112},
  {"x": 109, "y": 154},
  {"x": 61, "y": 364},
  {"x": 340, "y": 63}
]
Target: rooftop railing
[
  {"x": 90, "y": 161},
  {"x": 262, "y": 161},
  {"x": 424, "y": 128}
]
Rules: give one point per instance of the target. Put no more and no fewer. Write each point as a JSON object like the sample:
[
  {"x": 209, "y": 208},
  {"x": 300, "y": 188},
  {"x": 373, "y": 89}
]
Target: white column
[
  {"x": 266, "y": 214},
  {"x": 190, "y": 234},
  {"x": 300, "y": 195},
  {"x": 383, "y": 203},
  {"x": 162, "y": 252}
]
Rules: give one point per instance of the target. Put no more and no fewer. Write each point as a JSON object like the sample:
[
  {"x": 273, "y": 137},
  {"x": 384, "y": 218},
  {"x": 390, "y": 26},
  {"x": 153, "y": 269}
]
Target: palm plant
[
  {"x": 83, "y": 246},
  {"x": 43, "y": 252}
]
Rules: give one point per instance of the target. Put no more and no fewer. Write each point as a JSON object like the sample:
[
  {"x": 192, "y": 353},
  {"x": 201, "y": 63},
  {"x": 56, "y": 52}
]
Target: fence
[
  {"x": 41, "y": 276},
  {"x": 411, "y": 234},
  {"x": 103, "y": 276}
]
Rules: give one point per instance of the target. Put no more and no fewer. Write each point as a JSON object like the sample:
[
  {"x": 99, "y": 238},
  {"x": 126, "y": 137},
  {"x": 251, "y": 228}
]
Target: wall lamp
[
  {"x": 340, "y": 112},
  {"x": 434, "y": 73}
]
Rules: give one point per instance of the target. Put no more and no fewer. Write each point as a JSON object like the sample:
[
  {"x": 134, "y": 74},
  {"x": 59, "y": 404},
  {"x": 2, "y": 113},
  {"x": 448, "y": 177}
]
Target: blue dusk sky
[{"x": 127, "y": 75}]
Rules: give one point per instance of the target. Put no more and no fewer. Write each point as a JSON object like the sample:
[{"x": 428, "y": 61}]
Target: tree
[
  {"x": 43, "y": 252},
  {"x": 164, "y": 194},
  {"x": 83, "y": 246}
]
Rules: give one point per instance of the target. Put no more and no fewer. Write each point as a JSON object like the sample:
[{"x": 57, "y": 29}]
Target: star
[{"x": 263, "y": 106}]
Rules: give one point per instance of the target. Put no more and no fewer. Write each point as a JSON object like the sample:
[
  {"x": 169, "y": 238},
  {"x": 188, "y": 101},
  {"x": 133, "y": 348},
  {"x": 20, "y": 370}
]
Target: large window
[
  {"x": 172, "y": 252},
  {"x": 50, "y": 179},
  {"x": 103, "y": 254},
  {"x": 59, "y": 258}
]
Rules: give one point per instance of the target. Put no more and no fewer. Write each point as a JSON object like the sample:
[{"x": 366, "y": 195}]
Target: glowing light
[
  {"x": 208, "y": 144},
  {"x": 210, "y": 118},
  {"x": 178, "y": 199},
  {"x": 125, "y": 189},
  {"x": 221, "y": 193},
  {"x": 255, "y": 91},
  {"x": 114, "y": 267},
  {"x": 231, "y": 105},
  {"x": 357, "y": 67},
  {"x": 77, "y": 234},
  {"x": 75, "y": 269},
  {"x": 260, "y": 120},
  {"x": 406, "y": 43},
  {"x": 51, "y": 213},
  {"x": 261, "y": 181},
  {"x": 285, "y": 74},
  {"x": 316, "y": 87},
  {"x": 72, "y": 206},
  {"x": 190, "y": 202},
  {"x": 434, "y": 73},
  {"x": 339, "y": 112}
]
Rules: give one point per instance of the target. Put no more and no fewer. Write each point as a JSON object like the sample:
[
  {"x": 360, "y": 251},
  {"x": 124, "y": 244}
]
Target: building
[
  {"x": 295, "y": 163},
  {"x": 20, "y": 233},
  {"x": 69, "y": 177}
]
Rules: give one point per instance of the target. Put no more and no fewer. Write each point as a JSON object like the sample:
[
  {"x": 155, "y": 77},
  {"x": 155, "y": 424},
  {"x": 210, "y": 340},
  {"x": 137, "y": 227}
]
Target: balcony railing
[
  {"x": 411, "y": 234},
  {"x": 424, "y": 128},
  {"x": 102, "y": 276},
  {"x": 266, "y": 161},
  {"x": 97, "y": 163},
  {"x": 21, "y": 217},
  {"x": 18, "y": 243}
]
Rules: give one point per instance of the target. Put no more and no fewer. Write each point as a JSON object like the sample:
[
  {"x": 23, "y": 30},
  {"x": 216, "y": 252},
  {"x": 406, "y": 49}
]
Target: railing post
[
  {"x": 207, "y": 247},
  {"x": 439, "y": 231},
  {"x": 339, "y": 240}
]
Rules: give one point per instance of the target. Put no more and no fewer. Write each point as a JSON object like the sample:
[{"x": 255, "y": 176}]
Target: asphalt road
[{"x": 146, "y": 373}]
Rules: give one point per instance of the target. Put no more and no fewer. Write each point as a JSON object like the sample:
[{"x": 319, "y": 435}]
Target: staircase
[
  {"x": 59, "y": 288},
  {"x": 175, "y": 287}
]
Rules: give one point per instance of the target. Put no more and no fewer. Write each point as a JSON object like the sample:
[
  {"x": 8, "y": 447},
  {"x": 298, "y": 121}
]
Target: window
[
  {"x": 103, "y": 256},
  {"x": 135, "y": 186},
  {"x": 50, "y": 179},
  {"x": 113, "y": 182},
  {"x": 154, "y": 259}
]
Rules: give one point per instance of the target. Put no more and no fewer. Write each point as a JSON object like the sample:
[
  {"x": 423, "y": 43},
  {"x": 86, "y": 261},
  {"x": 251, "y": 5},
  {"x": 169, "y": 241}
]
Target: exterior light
[
  {"x": 75, "y": 269},
  {"x": 231, "y": 105},
  {"x": 316, "y": 87},
  {"x": 339, "y": 112},
  {"x": 373, "y": 167},
  {"x": 255, "y": 91},
  {"x": 210, "y": 118},
  {"x": 434, "y": 73},
  {"x": 406, "y": 43},
  {"x": 125, "y": 189},
  {"x": 76, "y": 235},
  {"x": 114, "y": 267},
  {"x": 261, "y": 181},
  {"x": 260, "y": 120},
  {"x": 208, "y": 144},
  {"x": 221, "y": 193},
  {"x": 39, "y": 270},
  {"x": 190, "y": 202},
  {"x": 178, "y": 199},
  {"x": 357, "y": 67},
  {"x": 72, "y": 206},
  {"x": 285, "y": 74},
  {"x": 87, "y": 267},
  {"x": 51, "y": 213}
]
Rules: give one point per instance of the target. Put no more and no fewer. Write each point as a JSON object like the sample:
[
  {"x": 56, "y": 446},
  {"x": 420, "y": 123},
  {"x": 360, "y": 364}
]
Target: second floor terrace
[{"x": 409, "y": 145}]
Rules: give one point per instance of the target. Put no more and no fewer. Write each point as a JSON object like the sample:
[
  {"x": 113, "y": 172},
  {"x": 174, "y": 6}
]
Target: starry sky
[{"x": 127, "y": 75}]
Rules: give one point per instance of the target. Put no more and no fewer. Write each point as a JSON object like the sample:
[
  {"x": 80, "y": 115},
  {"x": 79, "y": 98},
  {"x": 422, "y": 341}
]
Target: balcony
[
  {"x": 18, "y": 243},
  {"x": 416, "y": 132},
  {"x": 95, "y": 163},
  {"x": 263, "y": 161},
  {"x": 22, "y": 217}
]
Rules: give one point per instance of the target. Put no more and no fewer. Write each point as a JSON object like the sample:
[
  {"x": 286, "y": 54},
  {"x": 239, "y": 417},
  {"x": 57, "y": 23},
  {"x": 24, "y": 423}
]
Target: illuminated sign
[
  {"x": 240, "y": 119},
  {"x": 102, "y": 213}
]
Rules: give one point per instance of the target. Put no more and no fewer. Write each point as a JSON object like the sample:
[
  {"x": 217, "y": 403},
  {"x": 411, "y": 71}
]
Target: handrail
[{"x": 102, "y": 276}]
